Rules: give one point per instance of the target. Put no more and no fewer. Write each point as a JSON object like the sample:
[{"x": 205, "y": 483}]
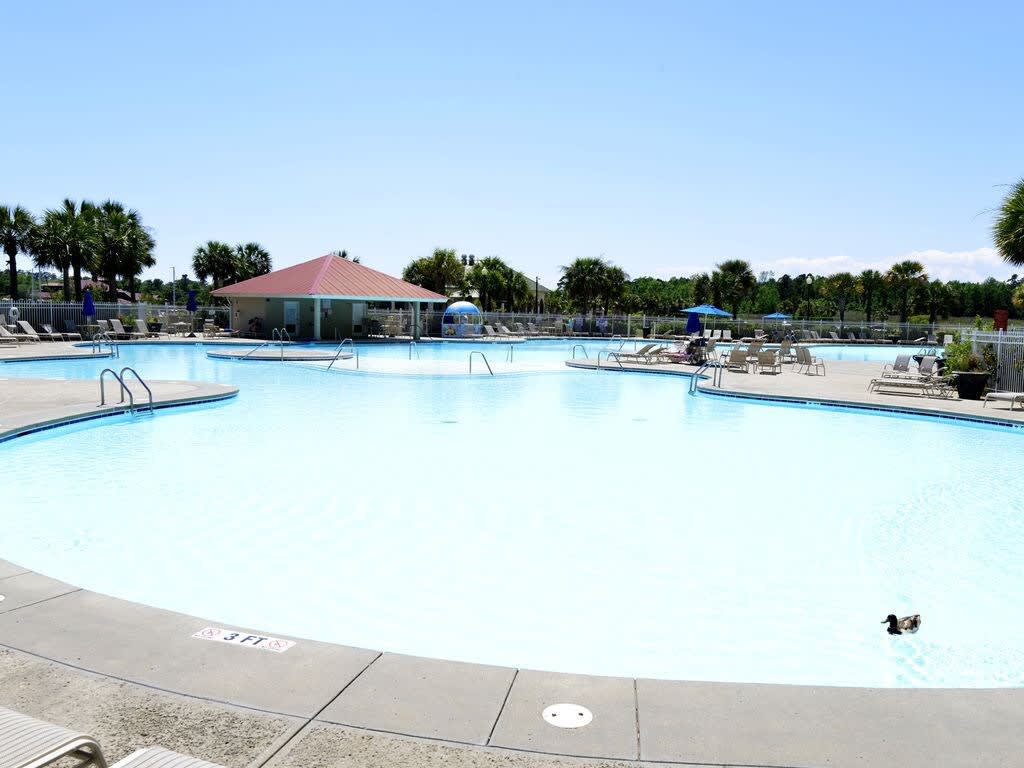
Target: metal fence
[
  {"x": 61, "y": 315},
  {"x": 1008, "y": 349},
  {"x": 398, "y": 322}
]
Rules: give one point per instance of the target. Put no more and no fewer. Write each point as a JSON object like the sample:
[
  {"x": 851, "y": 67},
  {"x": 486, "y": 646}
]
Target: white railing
[
  {"x": 1008, "y": 347},
  {"x": 62, "y": 314}
]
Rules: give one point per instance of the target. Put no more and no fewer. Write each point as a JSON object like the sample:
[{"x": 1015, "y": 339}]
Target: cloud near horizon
[{"x": 968, "y": 266}]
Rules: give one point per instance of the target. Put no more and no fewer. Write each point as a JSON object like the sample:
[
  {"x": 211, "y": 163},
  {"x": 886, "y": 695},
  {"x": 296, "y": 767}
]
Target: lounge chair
[
  {"x": 808, "y": 362},
  {"x": 71, "y": 330},
  {"x": 769, "y": 362},
  {"x": 49, "y": 335},
  {"x": 28, "y": 330},
  {"x": 853, "y": 337},
  {"x": 504, "y": 331},
  {"x": 932, "y": 340},
  {"x": 726, "y": 334},
  {"x": 947, "y": 339},
  {"x": 64, "y": 336},
  {"x": 640, "y": 355},
  {"x": 489, "y": 331},
  {"x": 834, "y": 336},
  {"x": 120, "y": 332},
  {"x": 707, "y": 333},
  {"x": 19, "y": 338},
  {"x": 899, "y": 368},
  {"x": 760, "y": 335},
  {"x": 1007, "y": 397},
  {"x": 142, "y": 330},
  {"x": 815, "y": 336},
  {"x": 29, "y": 743}
]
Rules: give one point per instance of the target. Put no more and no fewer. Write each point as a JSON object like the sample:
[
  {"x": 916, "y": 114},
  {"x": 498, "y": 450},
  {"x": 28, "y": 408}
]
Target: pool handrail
[
  {"x": 340, "y": 348},
  {"x": 574, "y": 346},
  {"x": 143, "y": 383},
  {"x": 120, "y": 381},
  {"x": 478, "y": 352},
  {"x": 412, "y": 346}
]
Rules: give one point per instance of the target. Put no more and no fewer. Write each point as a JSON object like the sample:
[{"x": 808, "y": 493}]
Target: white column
[
  {"x": 416, "y": 321},
  {"x": 316, "y": 319}
]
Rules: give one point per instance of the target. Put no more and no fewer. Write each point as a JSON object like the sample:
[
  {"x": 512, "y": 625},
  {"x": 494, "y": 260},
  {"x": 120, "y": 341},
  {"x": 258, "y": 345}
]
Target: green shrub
[{"x": 960, "y": 356}]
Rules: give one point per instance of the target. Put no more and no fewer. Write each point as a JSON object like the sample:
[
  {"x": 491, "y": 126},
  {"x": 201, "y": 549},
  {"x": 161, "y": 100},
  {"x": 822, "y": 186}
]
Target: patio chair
[
  {"x": 898, "y": 369},
  {"x": 737, "y": 360},
  {"x": 932, "y": 340},
  {"x": 726, "y": 334},
  {"x": 707, "y": 333},
  {"x": 947, "y": 339},
  {"x": 19, "y": 338},
  {"x": 158, "y": 757},
  {"x": 72, "y": 336},
  {"x": 834, "y": 336},
  {"x": 808, "y": 362},
  {"x": 121, "y": 333},
  {"x": 815, "y": 336},
  {"x": 769, "y": 362},
  {"x": 489, "y": 331},
  {"x": 28, "y": 330},
  {"x": 786, "y": 353},
  {"x": 1008, "y": 397},
  {"x": 752, "y": 350},
  {"x": 29, "y": 743},
  {"x": 853, "y": 337},
  {"x": 760, "y": 335},
  {"x": 504, "y": 331}
]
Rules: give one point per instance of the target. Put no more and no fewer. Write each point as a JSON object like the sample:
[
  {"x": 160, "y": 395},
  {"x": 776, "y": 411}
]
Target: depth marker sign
[{"x": 237, "y": 637}]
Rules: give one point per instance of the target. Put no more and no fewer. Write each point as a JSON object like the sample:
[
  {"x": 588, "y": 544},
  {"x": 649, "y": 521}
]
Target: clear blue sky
[{"x": 664, "y": 136}]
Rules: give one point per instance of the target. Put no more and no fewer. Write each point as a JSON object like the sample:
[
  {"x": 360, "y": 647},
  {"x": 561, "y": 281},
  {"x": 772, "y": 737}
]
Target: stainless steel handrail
[
  {"x": 338, "y": 350},
  {"x": 412, "y": 346},
  {"x": 103, "y": 394},
  {"x": 144, "y": 385},
  {"x": 97, "y": 343},
  {"x": 478, "y": 352},
  {"x": 574, "y": 346},
  {"x": 608, "y": 355},
  {"x": 510, "y": 356}
]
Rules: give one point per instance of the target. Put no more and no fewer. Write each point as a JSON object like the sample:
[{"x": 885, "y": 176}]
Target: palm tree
[
  {"x": 870, "y": 284},
  {"x": 252, "y": 260},
  {"x": 441, "y": 272},
  {"x": 490, "y": 278},
  {"x": 614, "y": 286},
  {"x": 1008, "y": 230},
  {"x": 215, "y": 260},
  {"x": 123, "y": 246},
  {"x": 16, "y": 225},
  {"x": 701, "y": 289},
  {"x": 840, "y": 287},
  {"x": 935, "y": 295},
  {"x": 737, "y": 281},
  {"x": 583, "y": 281},
  {"x": 49, "y": 248},
  {"x": 902, "y": 279}
]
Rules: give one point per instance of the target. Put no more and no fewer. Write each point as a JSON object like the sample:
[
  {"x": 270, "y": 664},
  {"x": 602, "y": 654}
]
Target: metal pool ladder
[
  {"x": 412, "y": 346},
  {"x": 97, "y": 344},
  {"x": 716, "y": 375},
  {"x": 580, "y": 346},
  {"x": 340, "y": 348},
  {"x": 124, "y": 387},
  {"x": 478, "y": 352}
]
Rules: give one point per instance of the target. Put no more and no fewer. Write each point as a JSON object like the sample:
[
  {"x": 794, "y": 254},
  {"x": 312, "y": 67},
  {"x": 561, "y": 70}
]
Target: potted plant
[
  {"x": 153, "y": 323},
  {"x": 969, "y": 375}
]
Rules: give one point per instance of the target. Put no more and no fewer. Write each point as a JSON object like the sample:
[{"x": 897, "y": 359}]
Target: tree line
[{"x": 105, "y": 239}]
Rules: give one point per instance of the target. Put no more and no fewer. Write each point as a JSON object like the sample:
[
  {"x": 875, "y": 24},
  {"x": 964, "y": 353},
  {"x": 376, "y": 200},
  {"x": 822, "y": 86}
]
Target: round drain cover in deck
[{"x": 567, "y": 715}]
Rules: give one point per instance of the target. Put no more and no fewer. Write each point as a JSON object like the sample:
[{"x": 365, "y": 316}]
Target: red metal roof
[{"x": 330, "y": 277}]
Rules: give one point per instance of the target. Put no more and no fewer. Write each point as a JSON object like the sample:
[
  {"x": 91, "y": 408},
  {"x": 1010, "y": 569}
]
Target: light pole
[{"x": 810, "y": 282}]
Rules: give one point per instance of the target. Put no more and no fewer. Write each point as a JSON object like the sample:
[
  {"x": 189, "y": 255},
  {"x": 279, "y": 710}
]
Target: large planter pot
[{"x": 971, "y": 384}]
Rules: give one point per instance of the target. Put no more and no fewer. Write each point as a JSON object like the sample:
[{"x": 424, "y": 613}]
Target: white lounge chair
[
  {"x": 488, "y": 331},
  {"x": 28, "y": 330},
  {"x": 19, "y": 338},
  {"x": 737, "y": 360},
  {"x": 726, "y": 334},
  {"x": 1006, "y": 397},
  {"x": 121, "y": 333},
  {"x": 769, "y": 362},
  {"x": 504, "y": 331},
  {"x": 71, "y": 336}
]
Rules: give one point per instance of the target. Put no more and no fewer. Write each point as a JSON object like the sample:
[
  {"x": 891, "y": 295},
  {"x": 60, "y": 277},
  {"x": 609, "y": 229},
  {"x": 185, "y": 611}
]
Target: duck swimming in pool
[{"x": 906, "y": 624}]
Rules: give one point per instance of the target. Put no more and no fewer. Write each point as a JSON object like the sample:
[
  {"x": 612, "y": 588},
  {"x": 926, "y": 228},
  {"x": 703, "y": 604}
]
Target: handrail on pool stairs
[
  {"x": 716, "y": 375},
  {"x": 97, "y": 343},
  {"x": 412, "y": 346},
  {"x": 340, "y": 348},
  {"x": 608, "y": 355},
  {"x": 478, "y": 352},
  {"x": 510, "y": 356},
  {"x": 145, "y": 386},
  {"x": 120, "y": 381},
  {"x": 581, "y": 347}
]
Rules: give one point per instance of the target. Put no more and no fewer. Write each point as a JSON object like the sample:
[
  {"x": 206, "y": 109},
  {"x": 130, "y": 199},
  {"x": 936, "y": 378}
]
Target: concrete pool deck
[
  {"x": 845, "y": 383},
  {"x": 117, "y": 669},
  {"x": 27, "y": 405}
]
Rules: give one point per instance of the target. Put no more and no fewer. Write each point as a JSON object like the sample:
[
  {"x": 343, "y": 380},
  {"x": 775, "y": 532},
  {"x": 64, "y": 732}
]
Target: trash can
[{"x": 646, "y": 331}]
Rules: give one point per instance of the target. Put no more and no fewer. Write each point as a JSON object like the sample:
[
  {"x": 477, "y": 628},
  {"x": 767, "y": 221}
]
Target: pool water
[{"x": 566, "y": 520}]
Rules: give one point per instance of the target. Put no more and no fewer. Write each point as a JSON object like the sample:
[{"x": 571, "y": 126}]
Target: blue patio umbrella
[
  {"x": 707, "y": 309},
  {"x": 191, "y": 305},
  {"x": 692, "y": 323},
  {"x": 777, "y": 316},
  {"x": 88, "y": 305}
]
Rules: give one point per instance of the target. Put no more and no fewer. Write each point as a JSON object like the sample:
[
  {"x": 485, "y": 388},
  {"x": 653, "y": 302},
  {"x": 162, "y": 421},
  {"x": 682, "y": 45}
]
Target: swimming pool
[{"x": 571, "y": 521}]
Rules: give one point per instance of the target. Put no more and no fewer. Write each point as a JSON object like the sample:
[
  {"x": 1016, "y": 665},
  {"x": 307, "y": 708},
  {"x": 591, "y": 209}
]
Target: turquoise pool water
[{"x": 571, "y": 521}]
